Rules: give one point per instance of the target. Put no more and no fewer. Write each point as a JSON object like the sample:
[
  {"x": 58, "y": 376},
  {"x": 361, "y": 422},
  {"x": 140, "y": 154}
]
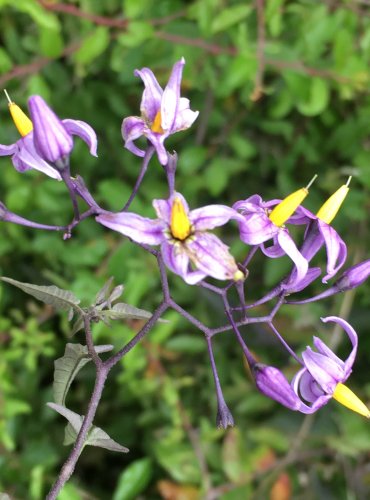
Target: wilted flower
[
  {"x": 163, "y": 112},
  {"x": 46, "y": 141},
  {"x": 183, "y": 237}
]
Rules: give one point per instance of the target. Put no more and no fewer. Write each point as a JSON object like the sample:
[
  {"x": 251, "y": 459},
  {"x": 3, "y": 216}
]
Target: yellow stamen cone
[
  {"x": 180, "y": 224},
  {"x": 157, "y": 124},
  {"x": 281, "y": 213},
  {"x": 21, "y": 120},
  {"x": 330, "y": 208},
  {"x": 347, "y": 398}
]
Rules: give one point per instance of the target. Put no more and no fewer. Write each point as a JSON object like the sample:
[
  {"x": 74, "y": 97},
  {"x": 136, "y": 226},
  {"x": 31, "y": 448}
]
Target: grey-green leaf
[
  {"x": 52, "y": 295},
  {"x": 96, "y": 435},
  {"x": 66, "y": 368}
]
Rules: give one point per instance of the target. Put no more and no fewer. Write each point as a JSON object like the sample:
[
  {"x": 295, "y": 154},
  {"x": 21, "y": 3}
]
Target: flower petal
[
  {"x": 177, "y": 260},
  {"x": 273, "y": 383},
  {"x": 171, "y": 97},
  {"x": 324, "y": 370},
  {"x": 84, "y": 131},
  {"x": 8, "y": 150},
  {"x": 133, "y": 128},
  {"x": 185, "y": 117},
  {"x": 352, "y": 335},
  {"x": 212, "y": 216},
  {"x": 157, "y": 141},
  {"x": 163, "y": 208},
  {"x": 336, "y": 249},
  {"x": 152, "y": 95},
  {"x": 211, "y": 256},
  {"x": 27, "y": 158},
  {"x": 289, "y": 247},
  {"x": 139, "y": 229}
]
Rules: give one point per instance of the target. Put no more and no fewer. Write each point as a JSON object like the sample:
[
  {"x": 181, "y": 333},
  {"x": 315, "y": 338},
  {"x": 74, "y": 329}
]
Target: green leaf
[
  {"x": 230, "y": 16},
  {"x": 41, "y": 16},
  {"x": 134, "y": 480},
  {"x": 136, "y": 34},
  {"x": 93, "y": 46},
  {"x": 5, "y": 61},
  {"x": 96, "y": 436},
  {"x": 51, "y": 42},
  {"x": 66, "y": 368},
  {"x": 125, "y": 311},
  {"x": 317, "y": 99},
  {"x": 52, "y": 295}
]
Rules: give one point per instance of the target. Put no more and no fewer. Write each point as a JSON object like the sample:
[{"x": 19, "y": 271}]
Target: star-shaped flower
[
  {"x": 163, "y": 112},
  {"x": 188, "y": 249}
]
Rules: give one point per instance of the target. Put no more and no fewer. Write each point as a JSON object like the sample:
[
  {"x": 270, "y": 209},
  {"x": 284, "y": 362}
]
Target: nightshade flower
[
  {"x": 183, "y": 237},
  {"x": 46, "y": 141},
  {"x": 163, "y": 112},
  {"x": 317, "y": 382},
  {"x": 262, "y": 221},
  {"x": 319, "y": 232},
  {"x": 324, "y": 373}
]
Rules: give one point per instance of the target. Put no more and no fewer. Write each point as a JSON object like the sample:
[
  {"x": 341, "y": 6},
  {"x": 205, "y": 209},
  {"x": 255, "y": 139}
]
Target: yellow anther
[
  {"x": 347, "y": 398},
  {"x": 21, "y": 120},
  {"x": 180, "y": 224},
  {"x": 281, "y": 213},
  {"x": 157, "y": 124},
  {"x": 330, "y": 208}
]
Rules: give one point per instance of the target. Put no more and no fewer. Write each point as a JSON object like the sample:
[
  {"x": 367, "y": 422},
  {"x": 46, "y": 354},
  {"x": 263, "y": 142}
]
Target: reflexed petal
[
  {"x": 212, "y": 216},
  {"x": 152, "y": 95},
  {"x": 322, "y": 348},
  {"x": 288, "y": 245},
  {"x": 133, "y": 128},
  {"x": 352, "y": 337},
  {"x": 294, "y": 286},
  {"x": 139, "y": 229},
  {"x": 273, "y": 251},
  {"x": 335, "y": 248},
  {"x": 157, "y": 141},
  {"x": 185, "y": 117},
  {"x": 8, "y": 150},
  {"x": 27, "y": 158},
  {"x": 211, "y": 256},
  {"x": 171, "y": 97},
  {"x": 84, "y": 131},
  {"x": 52, "y": 141},
  {"x": 324, "y": 370}
]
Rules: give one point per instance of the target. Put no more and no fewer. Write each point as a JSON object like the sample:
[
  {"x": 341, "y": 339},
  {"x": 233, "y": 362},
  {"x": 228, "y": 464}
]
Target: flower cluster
[{"x": 184, "y": 241}]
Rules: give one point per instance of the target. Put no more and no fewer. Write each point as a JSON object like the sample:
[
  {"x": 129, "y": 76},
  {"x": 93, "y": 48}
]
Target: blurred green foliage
[{"x": 282, "y": 95}]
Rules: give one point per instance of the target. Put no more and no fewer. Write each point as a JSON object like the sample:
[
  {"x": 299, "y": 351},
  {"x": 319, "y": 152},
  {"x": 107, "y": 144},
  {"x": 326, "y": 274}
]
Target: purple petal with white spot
[
  {"x": 84, "y": 131},
  {"x": 185, "y": 117},
  {"x": 176, "y": 259},
  {"x": 139, "y": 229},
  {"x": 157, "y": 141}
]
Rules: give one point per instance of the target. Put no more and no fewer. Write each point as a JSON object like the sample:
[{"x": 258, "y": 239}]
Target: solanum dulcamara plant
[{"x": 182, "y": 241}]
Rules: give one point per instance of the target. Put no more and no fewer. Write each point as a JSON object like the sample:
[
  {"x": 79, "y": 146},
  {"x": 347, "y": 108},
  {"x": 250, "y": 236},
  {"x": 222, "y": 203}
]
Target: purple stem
[
  {"x": 66, "y": 176},
  {"x": 17, "y": 219},
  {"x": 285, "y": 344},
  {"x": 144, "y": 166}
]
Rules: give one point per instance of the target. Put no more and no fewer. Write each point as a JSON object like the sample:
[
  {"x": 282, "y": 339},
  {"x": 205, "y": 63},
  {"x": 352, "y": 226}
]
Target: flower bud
[
  {"x": 51, "y": 139},
  {"x": 354, "y": 276},
  {"x": 273, "y": 384}
]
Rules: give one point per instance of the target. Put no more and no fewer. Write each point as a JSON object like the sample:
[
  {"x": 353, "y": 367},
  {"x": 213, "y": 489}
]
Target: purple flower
[
  {"x": 256, "y": 228},
  {"x": 318, "y": 381},
  {"x": 324, "y": 373},
  {"x": 163, "y": 112},
  {"x": 320, "y": 233},
  {"x": 46, "y": 141},
  {"x": 354, "y": 276},
  {"x": 183, "y": 237}
]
